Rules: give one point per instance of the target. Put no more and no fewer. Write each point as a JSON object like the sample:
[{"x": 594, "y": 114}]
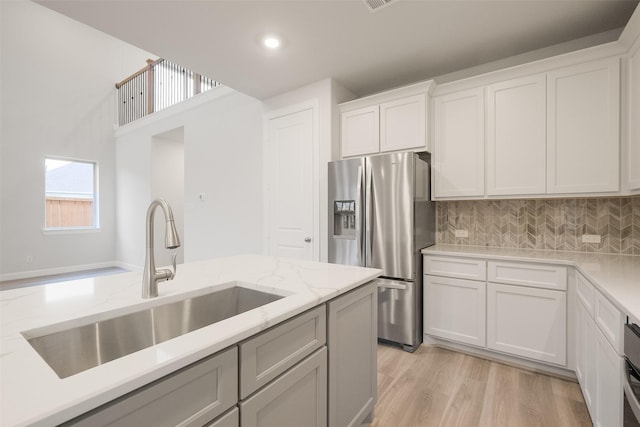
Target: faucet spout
[{"x": 151, "y": 276}]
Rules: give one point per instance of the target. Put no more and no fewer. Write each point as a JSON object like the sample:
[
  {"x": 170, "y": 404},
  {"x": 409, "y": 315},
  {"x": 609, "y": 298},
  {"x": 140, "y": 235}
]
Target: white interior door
[{"x": 290, "y": 186}]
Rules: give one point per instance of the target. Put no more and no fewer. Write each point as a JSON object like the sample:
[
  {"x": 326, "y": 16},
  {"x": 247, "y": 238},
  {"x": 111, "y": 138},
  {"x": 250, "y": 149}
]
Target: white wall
[
  {"x": 167, "y": 182},
  {"x": 339, "y": 94},
  {"x": 222, "y": 159},
  {"x": 58, "y": 98}
]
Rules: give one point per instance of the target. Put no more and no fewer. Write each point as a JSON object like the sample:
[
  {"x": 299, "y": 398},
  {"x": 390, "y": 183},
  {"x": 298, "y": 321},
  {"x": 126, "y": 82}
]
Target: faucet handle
[
  {"x": 167, "y": 273},
  {"x": 173, "y": 264}
]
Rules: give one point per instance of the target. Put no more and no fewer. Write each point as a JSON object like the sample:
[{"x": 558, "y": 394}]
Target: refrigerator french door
[{"x": 380, "y": 216}]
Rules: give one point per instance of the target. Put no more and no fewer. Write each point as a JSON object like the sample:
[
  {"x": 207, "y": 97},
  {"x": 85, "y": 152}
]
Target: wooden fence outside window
[{"x": 68, "y": 212}]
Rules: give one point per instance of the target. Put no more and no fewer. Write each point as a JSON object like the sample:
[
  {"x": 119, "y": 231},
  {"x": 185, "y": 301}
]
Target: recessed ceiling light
[{"x": 271, "y": 42}]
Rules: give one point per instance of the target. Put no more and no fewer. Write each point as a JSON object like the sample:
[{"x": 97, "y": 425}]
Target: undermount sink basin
[{"x": 80, "y": 348}]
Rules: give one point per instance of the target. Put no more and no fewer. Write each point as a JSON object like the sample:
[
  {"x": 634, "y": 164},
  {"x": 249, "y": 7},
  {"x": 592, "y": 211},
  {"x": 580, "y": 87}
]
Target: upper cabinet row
[
  {"x": 391, "y": 121},
  {"x": 566, "y": 126},
  {"x": 631, "y": 156},
  {"x": 547, "y": 133}
]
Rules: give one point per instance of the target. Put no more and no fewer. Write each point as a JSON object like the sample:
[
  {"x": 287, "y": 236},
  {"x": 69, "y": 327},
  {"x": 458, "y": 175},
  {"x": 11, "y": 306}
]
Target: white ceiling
[{"x": 404, "y": 42}]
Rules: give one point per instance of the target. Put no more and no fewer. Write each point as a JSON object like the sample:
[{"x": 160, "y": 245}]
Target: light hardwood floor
[{"x": 439, "y": 387}]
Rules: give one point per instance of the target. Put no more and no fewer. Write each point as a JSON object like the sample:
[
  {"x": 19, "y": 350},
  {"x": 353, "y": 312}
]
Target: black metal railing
[{"x": 157, "y": 86}]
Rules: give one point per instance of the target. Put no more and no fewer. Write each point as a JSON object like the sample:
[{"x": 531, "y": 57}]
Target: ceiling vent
[{"x": 375, "y": 5}]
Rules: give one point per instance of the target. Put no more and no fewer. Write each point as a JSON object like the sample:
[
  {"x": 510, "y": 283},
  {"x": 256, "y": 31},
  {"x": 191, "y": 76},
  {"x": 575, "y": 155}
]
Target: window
[{"x": 70, "y": 194}]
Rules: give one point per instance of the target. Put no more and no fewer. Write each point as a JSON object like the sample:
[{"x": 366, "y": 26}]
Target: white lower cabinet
[
  {"x": 608, "y": 384},
  {"x": 300, "y": 394},
  {"x": 528, "y": 322},
  {"x": 586, "y": 355},
  {"x": 455, "y": 309},
  {"x": 524, "y": 315},
  {"x": 599, "y": 366}
]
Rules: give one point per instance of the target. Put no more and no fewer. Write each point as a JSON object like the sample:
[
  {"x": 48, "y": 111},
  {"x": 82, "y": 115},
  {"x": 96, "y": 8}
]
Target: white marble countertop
[
  {"x": 32, "y": 394},
  {"x": 615, "y": 276}
]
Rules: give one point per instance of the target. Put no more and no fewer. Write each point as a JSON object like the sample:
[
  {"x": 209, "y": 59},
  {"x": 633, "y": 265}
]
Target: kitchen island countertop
[{"x": 32, "y": 394}]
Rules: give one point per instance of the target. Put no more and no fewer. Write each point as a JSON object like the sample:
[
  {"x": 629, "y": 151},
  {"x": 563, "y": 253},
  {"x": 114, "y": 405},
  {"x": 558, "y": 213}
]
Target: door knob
[{"x": 307, "y": 239}]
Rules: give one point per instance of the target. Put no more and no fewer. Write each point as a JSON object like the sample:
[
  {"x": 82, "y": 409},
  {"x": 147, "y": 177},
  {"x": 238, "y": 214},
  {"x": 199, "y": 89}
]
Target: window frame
[{"x": 95, "y": 227}]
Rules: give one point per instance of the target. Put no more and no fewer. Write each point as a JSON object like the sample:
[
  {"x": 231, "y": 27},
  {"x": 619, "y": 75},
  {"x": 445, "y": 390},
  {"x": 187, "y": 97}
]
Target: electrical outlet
[
  {"x": 29, "y": 259},
  {"x": 462, "y": 233},
  {"x": 202, "y": 197},
  {"x": 591, "y": 238}
]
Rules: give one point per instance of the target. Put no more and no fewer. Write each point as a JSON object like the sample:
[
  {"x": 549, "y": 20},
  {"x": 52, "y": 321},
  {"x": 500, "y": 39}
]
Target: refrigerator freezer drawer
[{"x": 397, "y": 312}]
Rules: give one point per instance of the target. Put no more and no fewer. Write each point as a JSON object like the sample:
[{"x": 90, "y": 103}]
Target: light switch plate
[
  {"x": 591, "y": 238},
  {"x": 462, "y": 233}
]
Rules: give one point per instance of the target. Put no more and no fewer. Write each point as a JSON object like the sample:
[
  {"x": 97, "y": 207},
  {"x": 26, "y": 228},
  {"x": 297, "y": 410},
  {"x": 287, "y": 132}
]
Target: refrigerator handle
[
  {"x": 368, "y": 237},
  {"x": 383, "y": 284},
  {"x": 359, "y": 218}
]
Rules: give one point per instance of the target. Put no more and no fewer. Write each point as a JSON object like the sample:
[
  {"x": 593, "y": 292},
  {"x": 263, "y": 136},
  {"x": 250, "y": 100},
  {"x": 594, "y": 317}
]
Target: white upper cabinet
[
  {"x": 548, "y": 128},
  {"x": 583, "y": 122},
  {"x": 395, "y": 120},
  {"x": 360, "y": 133},
  {"x": 458, "y": 152},
  {"x": 633, "y": 122},
  {"x": 403, "y": 123},
  {"x": 516, "y": 137}
]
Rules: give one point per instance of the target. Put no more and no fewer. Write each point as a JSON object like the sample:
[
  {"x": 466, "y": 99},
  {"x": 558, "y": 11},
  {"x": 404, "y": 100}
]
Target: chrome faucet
[{"x": 151, "y": 276}]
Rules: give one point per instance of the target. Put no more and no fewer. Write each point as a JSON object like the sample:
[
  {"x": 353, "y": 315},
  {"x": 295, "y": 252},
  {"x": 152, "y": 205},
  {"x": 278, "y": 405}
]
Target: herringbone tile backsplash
[{"x": 553, "y": 224}]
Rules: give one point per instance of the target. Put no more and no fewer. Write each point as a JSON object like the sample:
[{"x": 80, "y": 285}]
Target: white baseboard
[
  {"x": 130, "y": 267},
  {"x": 556, "y": 371},
  {"x": 58, "y": 270}
]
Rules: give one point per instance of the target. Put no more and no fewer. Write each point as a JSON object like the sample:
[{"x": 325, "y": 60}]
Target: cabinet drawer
[
  {"x": 190, "y": 397},
  {"x": 299, "y": 397},
  {"x": 462, "y": 268},
  {"x": 230, "y": 419},
  {"x": 585, "y": 292},
  {"x": 610, "y": 321},
  {"x": 525, "y": 274},
  {"x": 271, "y": 353}
]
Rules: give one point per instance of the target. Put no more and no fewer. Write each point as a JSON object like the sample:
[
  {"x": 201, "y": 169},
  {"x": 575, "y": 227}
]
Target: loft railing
[{"x": 157, "y": 86}]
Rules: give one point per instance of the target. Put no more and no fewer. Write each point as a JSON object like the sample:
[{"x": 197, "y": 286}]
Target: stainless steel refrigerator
[{"x": 380, "y": 215}]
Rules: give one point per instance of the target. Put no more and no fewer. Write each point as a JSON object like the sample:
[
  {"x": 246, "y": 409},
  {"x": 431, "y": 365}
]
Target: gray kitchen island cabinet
[
  {"x": 299, "y": 397},
  {"x": 316, "y": 369},
  {"x": 352, "y": 341},
  {"x": 192, "y": 396}
]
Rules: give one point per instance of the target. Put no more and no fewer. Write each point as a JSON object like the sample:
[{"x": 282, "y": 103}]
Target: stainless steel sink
[{"x": 80, "y": 348}]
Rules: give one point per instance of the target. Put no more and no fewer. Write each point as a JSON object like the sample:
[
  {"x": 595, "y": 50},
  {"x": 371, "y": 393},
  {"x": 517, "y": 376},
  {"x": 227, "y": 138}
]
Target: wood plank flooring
[{"x": 442, "y": 388}]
